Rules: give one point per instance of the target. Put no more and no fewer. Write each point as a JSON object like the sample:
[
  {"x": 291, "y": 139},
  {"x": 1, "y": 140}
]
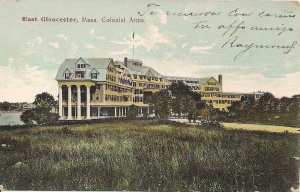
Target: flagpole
[{"x": 133, "y": 44}]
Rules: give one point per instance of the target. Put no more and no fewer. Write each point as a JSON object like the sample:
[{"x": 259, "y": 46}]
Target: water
[{"x": 11, "y": 118}]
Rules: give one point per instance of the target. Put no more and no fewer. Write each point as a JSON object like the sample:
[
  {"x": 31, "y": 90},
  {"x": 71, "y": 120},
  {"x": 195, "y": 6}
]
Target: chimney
[
  {"x": 220, "y": 79},
  {"x": 125, "y": 61}
]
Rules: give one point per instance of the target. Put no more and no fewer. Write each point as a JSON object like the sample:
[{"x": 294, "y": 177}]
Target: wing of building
[{"x": 101, "y": 87}]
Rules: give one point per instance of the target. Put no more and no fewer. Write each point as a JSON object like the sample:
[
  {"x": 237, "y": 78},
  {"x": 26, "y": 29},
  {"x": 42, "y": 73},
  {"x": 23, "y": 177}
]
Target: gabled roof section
[
  {"x": 98, "y": 64},
  {"x": 189, "y": 80},
  {"x": 138, "y": 70},
  {"x": 67, "y": 71},
  {"x": 81, "y": 61},
  {"x": 94, "y": 71},
  {"x": 143, "y": 70},
  {"x": 206, "y": 79},
  {"x": 155, "y": 73},
  {"x": 149, "y": 73}
]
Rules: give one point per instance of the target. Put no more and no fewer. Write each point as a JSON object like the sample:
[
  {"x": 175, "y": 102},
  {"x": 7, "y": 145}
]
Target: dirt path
[
  {"x": 251, "y": 127},
  {"x": 255, "y": 127}
]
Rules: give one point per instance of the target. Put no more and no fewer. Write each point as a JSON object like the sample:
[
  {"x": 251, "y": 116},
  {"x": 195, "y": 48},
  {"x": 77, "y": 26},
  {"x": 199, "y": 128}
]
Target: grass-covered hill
[{"x": 143, "y": 155}]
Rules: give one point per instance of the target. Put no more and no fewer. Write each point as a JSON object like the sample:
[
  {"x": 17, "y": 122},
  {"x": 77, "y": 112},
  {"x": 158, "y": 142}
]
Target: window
[
  {"x": 79, "y": 74},
  {"x": 94, "y": 75},
  {"x": 135, "y": 76},
  {"x": 78, "y": 65},
  {"x": 97, "y": 97},
  {"x": 82, "y": 65},
  {"x": 67, "y": 75}
]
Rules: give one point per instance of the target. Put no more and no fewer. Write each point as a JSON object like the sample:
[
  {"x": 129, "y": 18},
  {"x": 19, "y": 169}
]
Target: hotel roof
[
  {"x": 98, "y": 64},
  {"x": 189, "y": 80}
]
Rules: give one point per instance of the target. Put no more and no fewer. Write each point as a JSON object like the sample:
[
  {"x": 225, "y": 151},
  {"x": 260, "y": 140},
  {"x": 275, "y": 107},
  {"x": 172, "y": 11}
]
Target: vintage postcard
[{"x": 164, "y": 95}]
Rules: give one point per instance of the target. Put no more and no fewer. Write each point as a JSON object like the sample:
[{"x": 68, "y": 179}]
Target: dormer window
[
  {"x": 81, "y": 66},
  {"x": 94, "y": 75},
  {"x": 67, "y": 75}
]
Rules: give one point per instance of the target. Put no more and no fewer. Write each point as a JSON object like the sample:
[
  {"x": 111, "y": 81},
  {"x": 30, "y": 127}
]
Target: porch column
[
  {"x": 99, "y": 111},
  {"x": 115, "y": 111},
  {"x": 141, "y": 111},
  {"x": 60, "y": 109},
  {"x": 148, "y": 111},
  {"x": 119, "y": 115},
  {"x": 78, "y": 103},
  {"x": 88, "y": 103},
  {"x": 69, "y": 102}
]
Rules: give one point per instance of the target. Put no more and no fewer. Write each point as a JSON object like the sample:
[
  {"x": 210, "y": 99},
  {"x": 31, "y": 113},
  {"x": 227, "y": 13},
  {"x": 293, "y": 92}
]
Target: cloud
[
  {"x": 174, "y": 67},
  {"x": 28, "y": 51},
  {"x": 201, "y": 50},
  {"x": 150, "y": 40},
  {"x": 48, "y": 59},
  {"x": 168, "y": 55},
  {"x": 92, "y": 31},
  {"x": 73, "y": 49},
  {"x": 163, "y": 17},
  {"x": 122, "y": 52},
  {"x": 2, "y": 1},
  {"x": 28, "y": 80},
  {"x": 283, "y": 86},
  {"x": 89, "y": 46},
  {"x": 63, "y": 37},
  {"x": 124, "y": 42},
  {"x": 36, "y": 41},
  {"x": 102, "y": 38},
  {"x": 11, "y": 60},
  {"x": 54, "y": 44},
  {"x": 183, "y": 45},
  {"x": 153, "y": 37},
  {"x": 31, "y": 45}
]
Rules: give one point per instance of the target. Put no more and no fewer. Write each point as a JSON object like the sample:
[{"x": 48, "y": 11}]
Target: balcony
[{"x": 80, "y": 69}]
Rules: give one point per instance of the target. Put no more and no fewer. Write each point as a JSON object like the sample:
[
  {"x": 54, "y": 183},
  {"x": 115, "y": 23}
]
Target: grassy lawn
[{"x": 142, "y": 155}]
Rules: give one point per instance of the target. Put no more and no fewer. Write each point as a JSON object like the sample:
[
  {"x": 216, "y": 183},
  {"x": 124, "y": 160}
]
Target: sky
[{"x": 32, "y": 51}]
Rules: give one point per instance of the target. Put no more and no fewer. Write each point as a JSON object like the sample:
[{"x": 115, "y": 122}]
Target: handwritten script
[{"x": 238, "y": 23}]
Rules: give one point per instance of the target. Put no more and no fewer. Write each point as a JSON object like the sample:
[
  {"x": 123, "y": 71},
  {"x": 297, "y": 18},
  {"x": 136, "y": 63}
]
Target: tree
[
  {"x": 235, "y": 108},
  {"x": 132, "y": 112},
  {"x": 28, "y": 117},
  {"x": 265, "y": 103},
  {"x": 5, "y": 106},
  {"x": 41, "y": 114},
  {"x": 249, "y": 108},
  {"x": 182, "y": 98},
  {"x": 44, "y": 100},
  {"x": 179, "y": 88},
  {"x": 295, "y": 104},
  {"x": 160, "y": 102}
]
